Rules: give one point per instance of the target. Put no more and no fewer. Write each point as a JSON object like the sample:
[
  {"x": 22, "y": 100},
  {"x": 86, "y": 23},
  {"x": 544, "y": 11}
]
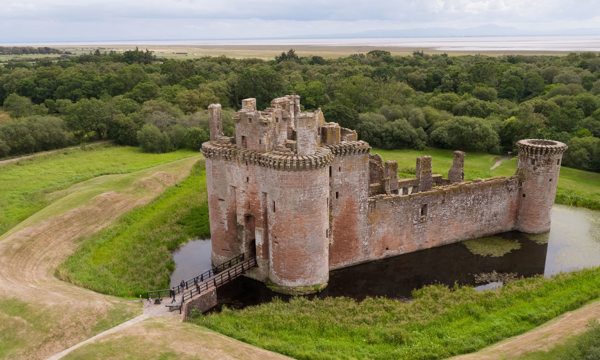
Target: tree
[
  {"x": 151, "y": 139},
  {"x": 18, "y": 106},
  {"x": 89, "y": 118},
  {"x": 194, "y": 138},
  {"x": 583, "y": 153},
  {"x": 485, "y": 93},
  {"x": 341, "y": 114},
  {"x": 512, "y": 88},
  {"x": 144, "y": 91},
  {"x": 260, "y": 82},
  {"x": 466, "y": 134},
  {"x": 289, "y": 56}
]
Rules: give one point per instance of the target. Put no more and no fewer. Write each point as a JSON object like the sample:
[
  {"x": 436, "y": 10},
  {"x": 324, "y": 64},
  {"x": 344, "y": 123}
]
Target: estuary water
[{"x": 573, "y": 243}]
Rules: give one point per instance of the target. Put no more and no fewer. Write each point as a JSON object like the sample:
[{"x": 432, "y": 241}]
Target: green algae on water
[{"x": 493, "y": 246}]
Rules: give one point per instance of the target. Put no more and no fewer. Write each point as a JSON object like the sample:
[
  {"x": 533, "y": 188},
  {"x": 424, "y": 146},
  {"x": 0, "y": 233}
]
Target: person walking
[{"x": 172, "y": 293}]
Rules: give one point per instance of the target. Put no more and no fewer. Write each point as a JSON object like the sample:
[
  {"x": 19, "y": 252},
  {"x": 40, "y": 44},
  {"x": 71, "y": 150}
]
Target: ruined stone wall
[{"x": 401, "y": 224}]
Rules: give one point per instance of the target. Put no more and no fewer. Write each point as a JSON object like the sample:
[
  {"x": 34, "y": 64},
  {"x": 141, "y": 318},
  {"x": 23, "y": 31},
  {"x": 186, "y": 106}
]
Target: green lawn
[
  {"x": 29, "y": 185},
  {"x": 134, "y": 255},
  {"x": 575, "y": 187}
]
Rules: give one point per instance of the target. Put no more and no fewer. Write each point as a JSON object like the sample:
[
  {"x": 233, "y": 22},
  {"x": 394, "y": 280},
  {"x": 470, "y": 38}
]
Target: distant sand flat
[{"x": 268, "y": 48}]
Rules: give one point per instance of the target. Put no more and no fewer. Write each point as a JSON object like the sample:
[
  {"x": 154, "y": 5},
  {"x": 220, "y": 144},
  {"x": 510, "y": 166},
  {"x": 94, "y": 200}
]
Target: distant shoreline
[{"x": 268, "y": 48}]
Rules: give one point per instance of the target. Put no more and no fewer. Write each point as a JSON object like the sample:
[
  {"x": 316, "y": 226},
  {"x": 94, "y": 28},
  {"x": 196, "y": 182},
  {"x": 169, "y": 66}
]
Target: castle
[{"x": 305, "y": 196}]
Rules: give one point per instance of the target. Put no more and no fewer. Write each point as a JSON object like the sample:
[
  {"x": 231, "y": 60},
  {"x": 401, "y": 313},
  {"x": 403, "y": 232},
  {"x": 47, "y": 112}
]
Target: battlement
[
  {"x": 541, "y": 147},
  {"x": 279, "y": 160}
]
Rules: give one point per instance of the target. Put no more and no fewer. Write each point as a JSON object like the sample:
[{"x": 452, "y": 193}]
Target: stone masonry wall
[{"x": 444, "y": 215}]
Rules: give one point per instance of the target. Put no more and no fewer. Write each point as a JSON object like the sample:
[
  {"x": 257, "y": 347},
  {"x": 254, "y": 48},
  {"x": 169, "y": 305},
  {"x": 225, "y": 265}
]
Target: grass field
[
  {"x": 29, "y": 185},
  {"x": 134, "y": 255}
]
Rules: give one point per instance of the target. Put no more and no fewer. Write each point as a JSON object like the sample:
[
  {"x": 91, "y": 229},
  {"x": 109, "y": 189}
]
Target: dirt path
[
  {"x": 119, "y": 327},
  {"x": 542, "y": 338},
  {"x": 42, "y": 153},
  {"x": 167, "y": 337},
  {"x": 500, "y": 162}
]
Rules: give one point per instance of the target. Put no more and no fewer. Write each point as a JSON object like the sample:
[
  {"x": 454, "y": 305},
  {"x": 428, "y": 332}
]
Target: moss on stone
[
  {"x": 295, "y": 290},
  {"x": 493, "y": 246}
]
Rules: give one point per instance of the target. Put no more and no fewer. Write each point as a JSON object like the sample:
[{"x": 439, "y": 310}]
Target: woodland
[{"x": 473, "y": 103}]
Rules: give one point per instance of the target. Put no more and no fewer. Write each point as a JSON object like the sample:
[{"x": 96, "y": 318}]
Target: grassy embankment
[
  {"x": 134, "y": 255},
  {"x": 30, "y": 185}
]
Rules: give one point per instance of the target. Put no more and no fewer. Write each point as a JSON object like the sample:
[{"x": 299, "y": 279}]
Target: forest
[{"x": 473, "y": 103}]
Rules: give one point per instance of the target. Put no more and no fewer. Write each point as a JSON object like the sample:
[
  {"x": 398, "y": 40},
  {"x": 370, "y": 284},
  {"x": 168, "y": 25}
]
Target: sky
[{"x": 39, "y": 21}]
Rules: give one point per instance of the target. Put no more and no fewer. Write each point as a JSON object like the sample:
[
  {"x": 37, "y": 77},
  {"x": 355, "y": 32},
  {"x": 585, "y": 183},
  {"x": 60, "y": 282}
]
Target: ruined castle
[{"x": 305, "y": 196}]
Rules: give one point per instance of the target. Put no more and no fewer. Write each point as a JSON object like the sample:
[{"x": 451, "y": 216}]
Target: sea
[{"x": 450, "y": 44}]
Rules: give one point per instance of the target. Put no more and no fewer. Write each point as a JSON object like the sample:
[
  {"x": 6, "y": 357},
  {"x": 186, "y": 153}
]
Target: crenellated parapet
[
  {"x": 349, "y": 148},
  {"x": 278, "y": 160},
  {"x": 537, "y": 147}
]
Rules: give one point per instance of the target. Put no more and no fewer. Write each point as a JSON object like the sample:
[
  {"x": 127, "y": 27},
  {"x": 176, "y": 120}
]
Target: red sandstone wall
[
  {"x": 349, "y": 192},
  {"x": 222, "y": 203},
  {"x": 539, "y": 176},
  {"x": 402, "y": 224},
  {"x": 289, "y": 214},
  {"x": 298, "y": 226}
]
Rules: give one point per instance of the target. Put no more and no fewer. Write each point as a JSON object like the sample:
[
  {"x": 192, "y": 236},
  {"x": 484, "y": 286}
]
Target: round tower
[
  {"x": 298, "y": 230},
  {"x": 538, "y": 168}
]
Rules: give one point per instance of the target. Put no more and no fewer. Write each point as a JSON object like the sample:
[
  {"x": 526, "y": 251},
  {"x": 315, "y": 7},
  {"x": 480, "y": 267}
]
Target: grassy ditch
[
  {"x": 134, "y": 255},
  {"x": 28, "y": 185},
  {"x": 439, "y": 323},
  {"x": 575, "y": 187}
]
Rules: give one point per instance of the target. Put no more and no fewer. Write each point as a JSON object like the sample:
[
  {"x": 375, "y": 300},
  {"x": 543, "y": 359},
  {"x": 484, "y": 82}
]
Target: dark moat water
[{"x": 573, "y": 243}]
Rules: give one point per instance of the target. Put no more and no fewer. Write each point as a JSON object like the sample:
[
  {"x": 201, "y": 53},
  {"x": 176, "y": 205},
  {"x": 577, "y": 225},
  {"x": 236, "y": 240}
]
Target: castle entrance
[{"x": 249, "y": 236}]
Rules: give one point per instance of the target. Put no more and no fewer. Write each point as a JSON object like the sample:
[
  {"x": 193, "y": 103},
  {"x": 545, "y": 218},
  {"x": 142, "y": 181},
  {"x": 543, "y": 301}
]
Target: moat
[{"x": 573, "y": 243}]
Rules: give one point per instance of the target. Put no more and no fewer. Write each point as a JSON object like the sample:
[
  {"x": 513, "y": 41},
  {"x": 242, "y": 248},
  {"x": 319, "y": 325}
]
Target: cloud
[{"x": 63, "y": 20}]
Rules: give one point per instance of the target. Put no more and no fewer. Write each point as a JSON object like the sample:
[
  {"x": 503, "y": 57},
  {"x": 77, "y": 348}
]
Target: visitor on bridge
[
  {"x": 172, "y": 293},
  {"x": 182, "y": 285}
]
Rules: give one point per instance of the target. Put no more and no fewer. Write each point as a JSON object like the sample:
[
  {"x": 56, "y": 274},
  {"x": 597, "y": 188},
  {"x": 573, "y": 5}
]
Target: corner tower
[
  {"x": 538, "y": 168},
  {"x": 268, "y": 194}
]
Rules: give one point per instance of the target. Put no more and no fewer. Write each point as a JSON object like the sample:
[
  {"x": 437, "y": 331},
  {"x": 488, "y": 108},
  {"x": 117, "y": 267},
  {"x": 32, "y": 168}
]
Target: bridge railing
[
  {"x": 196, "y": 279},
  {"x": 221, "y": 278}
]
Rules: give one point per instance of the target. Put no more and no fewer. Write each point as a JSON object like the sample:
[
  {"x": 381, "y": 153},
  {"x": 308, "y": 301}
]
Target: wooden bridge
[{"x": 203, "y": 285}]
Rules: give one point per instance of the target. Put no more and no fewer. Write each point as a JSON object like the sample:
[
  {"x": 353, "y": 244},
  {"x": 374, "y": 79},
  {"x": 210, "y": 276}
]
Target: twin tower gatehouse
[{"x": 305, "y": 196}]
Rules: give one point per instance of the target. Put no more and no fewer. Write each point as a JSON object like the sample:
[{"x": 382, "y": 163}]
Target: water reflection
[
  {"x": 573, "y": 243},
  {"x": 191, "y": 259}
]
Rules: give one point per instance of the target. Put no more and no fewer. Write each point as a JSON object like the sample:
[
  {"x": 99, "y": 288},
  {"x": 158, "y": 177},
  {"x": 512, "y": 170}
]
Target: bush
[
  {"x": 151, "y": 139},
  {"x": 194, "y": 138}
]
